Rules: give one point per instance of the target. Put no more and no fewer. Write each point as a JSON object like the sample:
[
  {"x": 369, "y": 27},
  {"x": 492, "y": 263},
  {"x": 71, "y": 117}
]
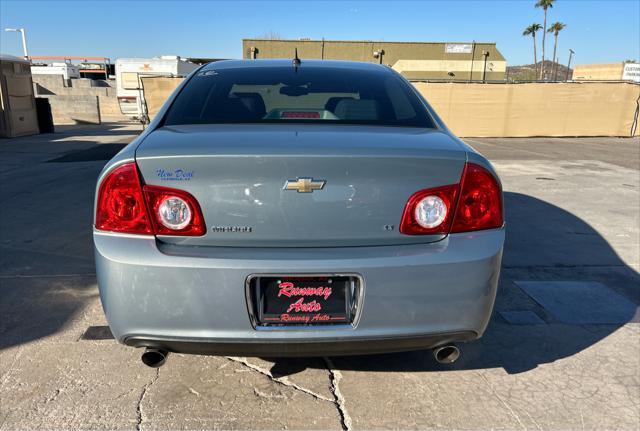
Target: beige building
[
  {"x": 456, "y": 61},
  {"x": 607, "y": 72}
]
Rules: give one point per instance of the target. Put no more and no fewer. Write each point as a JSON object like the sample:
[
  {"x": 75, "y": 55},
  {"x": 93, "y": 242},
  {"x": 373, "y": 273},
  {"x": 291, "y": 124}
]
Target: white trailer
[
  {"x": 67, "y": 70},
  {"x": 129, "y": 86}
]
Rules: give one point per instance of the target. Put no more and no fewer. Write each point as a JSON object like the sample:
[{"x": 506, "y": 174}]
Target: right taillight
[
  {"x": 429, "y": 211},
  {"x": 480, "y": 201},
  {"x": 474, "y": 204}
]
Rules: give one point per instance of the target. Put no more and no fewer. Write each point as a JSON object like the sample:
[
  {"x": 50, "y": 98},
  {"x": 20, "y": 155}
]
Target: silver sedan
[{"x": 291, "y": 208}]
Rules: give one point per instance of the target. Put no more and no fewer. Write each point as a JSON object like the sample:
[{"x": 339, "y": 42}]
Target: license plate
[{"x": 305, "y": 300}]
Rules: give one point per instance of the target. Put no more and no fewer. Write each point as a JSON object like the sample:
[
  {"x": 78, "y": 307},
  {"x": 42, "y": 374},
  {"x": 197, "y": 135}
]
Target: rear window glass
[{"x": 289, "y": 94}]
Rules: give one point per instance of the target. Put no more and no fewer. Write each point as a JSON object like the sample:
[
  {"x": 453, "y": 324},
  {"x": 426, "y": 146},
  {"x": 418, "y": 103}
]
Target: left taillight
[
  {"x": 124, "y": 206},
  {"x": 121, "y": 206}
]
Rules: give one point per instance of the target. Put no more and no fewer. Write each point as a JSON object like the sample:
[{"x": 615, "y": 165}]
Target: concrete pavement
[{"x": 573, "y": 215}]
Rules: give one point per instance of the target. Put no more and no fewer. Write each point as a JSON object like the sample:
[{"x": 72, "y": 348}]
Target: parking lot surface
[{"x": 562, "y": 350}]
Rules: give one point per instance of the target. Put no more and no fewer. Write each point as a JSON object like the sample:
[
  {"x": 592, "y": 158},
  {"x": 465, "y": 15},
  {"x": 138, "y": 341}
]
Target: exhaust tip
[
  {"x": 154, "y": 358},
  {"x": 446, "y": 354}
]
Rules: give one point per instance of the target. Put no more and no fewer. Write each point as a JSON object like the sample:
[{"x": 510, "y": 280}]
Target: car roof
[{"x": 304, "y": 64}]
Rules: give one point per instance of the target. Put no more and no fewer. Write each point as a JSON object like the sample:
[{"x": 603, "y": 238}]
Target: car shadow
[
  {"x": 88, "y": 130},
  {"x": 544, "y": 242},
  {"x": 47, "y": 270}
]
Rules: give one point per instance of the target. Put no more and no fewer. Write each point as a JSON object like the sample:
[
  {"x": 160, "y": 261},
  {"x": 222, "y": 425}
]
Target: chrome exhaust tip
[
  {"x": 446, "y": 354},
  {"x": 154, "y": 358}
]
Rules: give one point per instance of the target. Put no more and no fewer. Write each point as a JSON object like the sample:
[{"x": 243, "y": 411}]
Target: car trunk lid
[{"x": 239, "y": 175}]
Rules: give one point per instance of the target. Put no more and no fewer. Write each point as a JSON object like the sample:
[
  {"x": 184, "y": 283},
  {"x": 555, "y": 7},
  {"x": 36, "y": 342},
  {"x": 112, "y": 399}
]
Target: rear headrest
[
  {"x": 351, "y": 109},
  {"x": 333, "y": 102},
  {"x": 231, "y": 110},
  {"x": 254, "y": 103}
]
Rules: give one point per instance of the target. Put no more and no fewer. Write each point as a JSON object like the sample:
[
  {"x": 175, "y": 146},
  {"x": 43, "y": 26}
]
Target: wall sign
[
  {"x": 458, "y": 48},
  {"x": 631, "y": 72}
]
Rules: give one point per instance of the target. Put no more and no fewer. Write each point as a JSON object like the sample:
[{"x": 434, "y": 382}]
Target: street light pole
[
  {"x": 566, "y": 76},
  {"x": 485, "y": 54},
  {"x": 23, "y": 32}
]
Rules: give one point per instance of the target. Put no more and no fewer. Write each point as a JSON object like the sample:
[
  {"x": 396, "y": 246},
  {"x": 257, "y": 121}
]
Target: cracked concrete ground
[{"x": 573, "y": 215}]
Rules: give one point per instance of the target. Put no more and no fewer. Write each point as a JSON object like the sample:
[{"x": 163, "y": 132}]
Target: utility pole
[
  {"x": 473, "y": 54},
  {"x": 485, "y": 54},
  {"x": 23, "y": 32},
  {"x": 566, "y": 76}
]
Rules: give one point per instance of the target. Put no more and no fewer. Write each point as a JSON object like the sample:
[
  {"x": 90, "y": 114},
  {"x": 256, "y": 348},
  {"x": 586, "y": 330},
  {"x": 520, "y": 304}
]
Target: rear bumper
[
  {"x": 296, "y": 348},
  {"x": 192, "y": 300}
]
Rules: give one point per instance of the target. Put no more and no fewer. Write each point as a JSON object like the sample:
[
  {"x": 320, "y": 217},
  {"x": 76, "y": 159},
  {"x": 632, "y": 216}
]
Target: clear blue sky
[{"x": 599, "y": 31}]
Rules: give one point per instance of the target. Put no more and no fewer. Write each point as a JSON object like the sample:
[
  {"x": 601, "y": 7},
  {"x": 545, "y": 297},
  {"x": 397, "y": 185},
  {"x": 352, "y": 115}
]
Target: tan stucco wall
[
  {"x": 598, "y": 72},
  {"x": 534, "y": 109},
  {"x": 506, "y": 110}
]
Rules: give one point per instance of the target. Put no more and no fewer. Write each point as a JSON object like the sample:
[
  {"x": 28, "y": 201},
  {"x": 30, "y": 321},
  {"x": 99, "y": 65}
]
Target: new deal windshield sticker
[{"x": 174, "y": 174}]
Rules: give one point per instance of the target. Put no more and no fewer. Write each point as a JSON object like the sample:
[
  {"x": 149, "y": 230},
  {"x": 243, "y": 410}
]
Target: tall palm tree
[
  {"x": 531, "y": 31},
  {"x": 555, "y": 28},
  {"x": 544, "y": 4}
]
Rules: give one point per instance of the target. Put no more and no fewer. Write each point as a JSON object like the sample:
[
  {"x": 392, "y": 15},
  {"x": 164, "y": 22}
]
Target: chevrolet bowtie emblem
[{"x": 304, "y": 185}]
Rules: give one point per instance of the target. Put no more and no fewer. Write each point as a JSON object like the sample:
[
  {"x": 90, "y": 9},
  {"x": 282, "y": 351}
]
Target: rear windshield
[{"x": 289, "y": 94}]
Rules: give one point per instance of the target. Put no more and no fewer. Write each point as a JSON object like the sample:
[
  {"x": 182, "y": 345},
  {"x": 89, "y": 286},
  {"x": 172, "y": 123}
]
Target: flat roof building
[
  {"x": 454, "y": 61},
  {"x": 607, "y": 72}
]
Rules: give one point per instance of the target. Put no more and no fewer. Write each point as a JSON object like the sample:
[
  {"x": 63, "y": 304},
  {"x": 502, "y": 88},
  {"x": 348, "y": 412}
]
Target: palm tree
[
  {"x": 556, "y": 28},
  {"x": 544, "y": 4},
  {"x": 531, "y": 31}
]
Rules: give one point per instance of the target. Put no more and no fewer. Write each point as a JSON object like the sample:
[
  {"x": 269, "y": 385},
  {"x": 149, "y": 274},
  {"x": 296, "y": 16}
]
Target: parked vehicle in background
[
  {"x": 129, "y": 86},
  {"x": 305, "y": 208},
  {"x": 67, "y": 70}
]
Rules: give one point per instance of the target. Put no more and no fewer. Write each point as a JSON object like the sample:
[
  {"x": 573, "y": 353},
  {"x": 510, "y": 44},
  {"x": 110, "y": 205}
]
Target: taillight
[
  {"x": 480, "y": 202},
  {"x": 174, "y": 212},
  {"x": 120, "y": 206},
  {"x": 475, "y": 204},
  {"x": 123, "y": 205},
  {"x": 429, "y": 211}
]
